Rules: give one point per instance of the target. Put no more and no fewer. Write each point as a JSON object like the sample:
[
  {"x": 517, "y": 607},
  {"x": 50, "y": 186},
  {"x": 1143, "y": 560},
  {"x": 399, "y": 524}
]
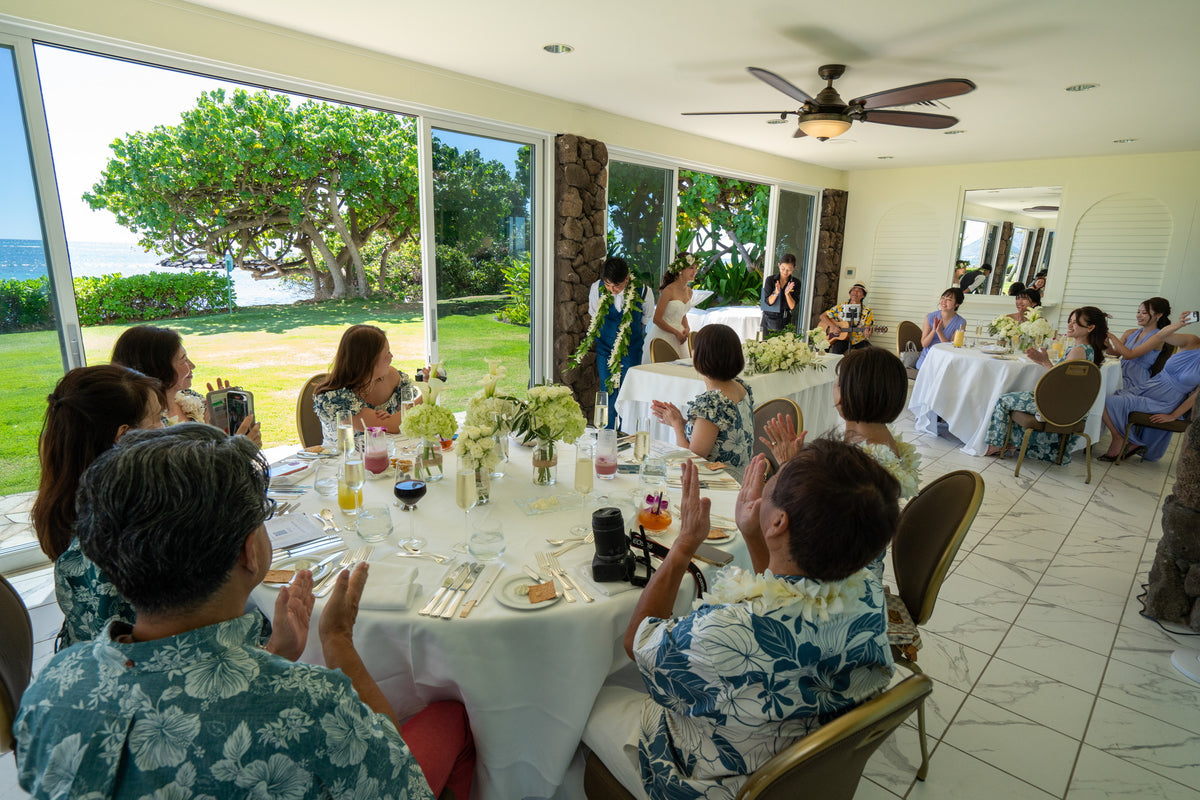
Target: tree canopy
[
  {"x": 295, "y": 188},
  {"x": 722, "y": 217}
]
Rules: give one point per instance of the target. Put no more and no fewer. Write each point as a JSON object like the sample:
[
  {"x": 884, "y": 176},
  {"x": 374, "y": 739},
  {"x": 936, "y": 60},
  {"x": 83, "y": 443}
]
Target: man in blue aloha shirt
[
  {"x": 184, "y": 703},
  {"x": 767, "y": 656}
]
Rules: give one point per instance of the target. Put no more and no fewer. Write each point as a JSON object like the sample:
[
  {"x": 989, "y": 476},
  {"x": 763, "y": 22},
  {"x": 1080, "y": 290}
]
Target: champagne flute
[
  {"x": 465, "y": 494},
  {"x": 345, "y": 432},
  {"x": 641, "y": 439},
  {"x": 584, "y": 480},
  {"x": 600, "y": 414},
  {"x": 353, "y": 477}
]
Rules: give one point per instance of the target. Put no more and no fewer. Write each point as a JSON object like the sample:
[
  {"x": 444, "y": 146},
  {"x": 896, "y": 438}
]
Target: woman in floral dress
[
  {"x": 1088, "y": 327},
  {"x": 362, "y": 381},
  {"x": 719, "y": 424}
]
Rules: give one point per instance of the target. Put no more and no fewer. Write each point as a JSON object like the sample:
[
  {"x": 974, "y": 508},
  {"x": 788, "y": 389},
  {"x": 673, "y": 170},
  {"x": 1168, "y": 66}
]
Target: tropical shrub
[
  {"x": 516, "y": 286},
  {"x": 732, "y": 284},
  {"x": 25, "y": 305},
  {"x": 157, "y": 295}
]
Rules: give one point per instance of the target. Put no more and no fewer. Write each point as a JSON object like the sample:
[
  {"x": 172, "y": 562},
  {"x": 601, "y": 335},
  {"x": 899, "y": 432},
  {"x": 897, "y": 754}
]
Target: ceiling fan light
[{"x": 824, "y": 126}]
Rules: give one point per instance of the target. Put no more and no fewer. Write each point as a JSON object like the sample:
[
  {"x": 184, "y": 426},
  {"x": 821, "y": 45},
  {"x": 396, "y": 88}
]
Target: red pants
[{"x": 440, "y": 740}]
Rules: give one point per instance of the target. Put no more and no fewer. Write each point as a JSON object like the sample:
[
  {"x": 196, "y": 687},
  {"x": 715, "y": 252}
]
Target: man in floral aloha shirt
[
  {"x": 184, "y": 703},
  {"x": 766, "y": 656}
]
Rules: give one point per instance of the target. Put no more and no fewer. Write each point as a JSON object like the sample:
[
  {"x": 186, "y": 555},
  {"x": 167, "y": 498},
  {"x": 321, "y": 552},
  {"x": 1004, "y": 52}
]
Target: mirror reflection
[{"x": 1005, "y": 238}]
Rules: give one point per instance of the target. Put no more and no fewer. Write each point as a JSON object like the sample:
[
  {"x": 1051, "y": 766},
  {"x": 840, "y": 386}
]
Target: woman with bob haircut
[
  {"x": 719, "y": 424},
  {"x": 362, "y": 381},
  {"x": 1025, "y": 300}
]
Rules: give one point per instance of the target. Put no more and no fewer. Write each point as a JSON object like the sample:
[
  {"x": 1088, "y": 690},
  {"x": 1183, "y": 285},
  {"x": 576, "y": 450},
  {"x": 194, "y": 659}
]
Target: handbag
[{"x": 910, "y": 355}]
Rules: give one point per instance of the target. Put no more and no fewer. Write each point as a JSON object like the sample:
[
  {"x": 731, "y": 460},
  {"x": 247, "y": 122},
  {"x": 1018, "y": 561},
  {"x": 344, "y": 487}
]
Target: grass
[{"x": 269, "y": 350}]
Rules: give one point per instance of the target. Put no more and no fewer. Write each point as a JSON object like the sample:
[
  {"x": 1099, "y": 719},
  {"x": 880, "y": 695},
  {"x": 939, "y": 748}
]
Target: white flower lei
[
  {"x": 191, "y": 405},
  {"x": 766, "y": 592},
  {"x": 621, "y": 345}
]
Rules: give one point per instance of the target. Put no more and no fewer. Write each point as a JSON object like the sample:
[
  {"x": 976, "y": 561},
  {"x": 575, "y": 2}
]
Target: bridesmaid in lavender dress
[{"x": 1138, "y": 353}]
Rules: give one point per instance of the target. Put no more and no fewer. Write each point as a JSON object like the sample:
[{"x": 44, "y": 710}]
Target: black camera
[{"x": 613, "y": 560}]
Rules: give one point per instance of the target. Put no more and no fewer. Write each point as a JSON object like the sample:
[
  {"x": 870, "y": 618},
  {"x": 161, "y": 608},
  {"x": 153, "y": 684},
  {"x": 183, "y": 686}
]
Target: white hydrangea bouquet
[
  {"x": 476, "y": 447},
  {"x": 488, "y": 407},
  {"x": 818, "y": 339},
  {"x": 783, "y": 353},
  {"x": 549, "y": 415},
  {"x": 1035, "y": 331},
  {"x": 1003, "y": 326},
  {"x": 430, "y": 423}
]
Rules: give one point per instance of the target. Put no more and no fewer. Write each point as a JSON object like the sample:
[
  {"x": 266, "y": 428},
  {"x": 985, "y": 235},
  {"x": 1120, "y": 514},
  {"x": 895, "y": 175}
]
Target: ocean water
[{"x": 22, "y": 259}]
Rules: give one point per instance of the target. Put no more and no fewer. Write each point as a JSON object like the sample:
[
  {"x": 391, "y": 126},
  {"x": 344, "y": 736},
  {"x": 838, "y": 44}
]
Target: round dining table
[
  {"x": 962, "y": 384},
  {"x": 528, "y": 675}
]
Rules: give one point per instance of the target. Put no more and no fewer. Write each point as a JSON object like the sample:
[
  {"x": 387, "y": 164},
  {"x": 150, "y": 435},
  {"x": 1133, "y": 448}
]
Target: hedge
[
  {"x": 157, "y": 295},
  {"x": 25, "y": 305}
]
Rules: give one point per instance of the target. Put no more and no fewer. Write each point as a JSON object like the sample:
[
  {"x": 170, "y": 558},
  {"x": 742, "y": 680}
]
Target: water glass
[
  {"x": 606, "y": 454},
  {"x": 486, "y": 542},
  {"x": 653, "y": 473},
  {"x": 374, "y": 524},
  {"x": 326, "y": 479}
]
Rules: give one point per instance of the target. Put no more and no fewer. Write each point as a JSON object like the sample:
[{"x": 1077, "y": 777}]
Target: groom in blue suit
[{"x": 611, "y": 291}]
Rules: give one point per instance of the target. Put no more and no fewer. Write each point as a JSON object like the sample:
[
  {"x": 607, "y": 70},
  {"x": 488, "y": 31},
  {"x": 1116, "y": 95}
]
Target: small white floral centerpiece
[
  {"x": 430, "y": 423},
  {"x": 783, "y": 353},
  {"x": 1003, "y": 326},
  {"x": 818, "y": 339},
  {"x": 487, "y": 407},
  {"x": 1034, "y": 331},
  {"x": 550, "y": 414},
  {"x": 478, "y": 449}
]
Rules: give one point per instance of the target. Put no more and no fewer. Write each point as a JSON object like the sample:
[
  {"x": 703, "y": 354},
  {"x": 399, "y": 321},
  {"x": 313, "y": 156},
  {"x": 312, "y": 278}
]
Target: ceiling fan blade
[
  {"x": 910, "y": 119},
  {"x": 798, "y": 134},
  {"x": 711, "y": 113},
  {"x": 917, "y": 93},
  {"x": 773, "y": 80}
]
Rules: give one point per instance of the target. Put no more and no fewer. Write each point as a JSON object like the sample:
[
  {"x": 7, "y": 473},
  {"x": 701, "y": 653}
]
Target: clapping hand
[
  {"x": 750, "y": 497},
  {"x": 666, "y": 413},
  {"x": 341, "y": 609},
  {"x": 1038, "y": 355},
  {"x": 694, "y": 520},
  {"x": 782, "y": 438},
  {"x": 293, "y": 612}
]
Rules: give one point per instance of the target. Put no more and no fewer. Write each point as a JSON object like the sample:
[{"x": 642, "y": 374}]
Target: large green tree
[
  {"x": 723, "y": 218},
  {"x": 473, "y": 198},
  {"x": 281, "y": 188}
]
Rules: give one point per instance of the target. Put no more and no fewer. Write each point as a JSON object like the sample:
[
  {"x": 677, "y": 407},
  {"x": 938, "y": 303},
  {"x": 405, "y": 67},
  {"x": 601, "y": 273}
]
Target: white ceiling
[{"x": 652, "y": 59}]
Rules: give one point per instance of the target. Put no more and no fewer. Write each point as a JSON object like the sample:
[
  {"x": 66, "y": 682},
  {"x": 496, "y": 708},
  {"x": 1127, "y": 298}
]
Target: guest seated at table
[
  {"x": 1167, "y": 396},
  {"x": 941, "y": 324},
  {"x": 1138, "y": 347},
  {"x": 183, "y": 702},
  {"x": 719, "y": 424},
  {"x": 1025, "y": 300},
  {"x": 1015, "y": 288},
  {"x": 362, "y": 381},
  {"x": 852, "y": 322},
  {"x": 1087, "y": 327},
  {"x": 159, "y": 353},
  {"x": 89, "y": 410},
  {"x": 674, "y": 300},
  {"x": 767, "y": 657}
]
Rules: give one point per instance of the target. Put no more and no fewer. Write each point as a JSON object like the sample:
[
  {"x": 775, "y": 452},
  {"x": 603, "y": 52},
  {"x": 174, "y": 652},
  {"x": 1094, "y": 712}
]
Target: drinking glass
[
  {"x": 409, "y": 491},
  {"x": 486, "y": 542},
  {"x": 606, "y": 454},
  {"x": 465, "y": 494},
  {"x": 326, "y": 479},
  {"x": 600, "y": 414},
  {"x": 350, "y": 486},
  {"x": 374, "y": 524},
  {"x": 345, "y": 432},
  {"x": 641, "y": 439},
  {"x": 652, "y": 476}
]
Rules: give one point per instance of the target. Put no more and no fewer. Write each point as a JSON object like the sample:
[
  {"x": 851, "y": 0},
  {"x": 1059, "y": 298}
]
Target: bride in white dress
[{"x": 670, "y": 313}]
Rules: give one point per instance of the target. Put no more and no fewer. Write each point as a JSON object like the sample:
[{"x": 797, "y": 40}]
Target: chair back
[
  {"x": 1166, "y": 352},
  {"x": 932, "y": 527},
  {"x": 16, "y": 659},
  {"x": 1066, "y": 393},
  {"x": 661, "y": 350},
  {"x": 308, "y": 424},
  {"x": 908, "y": 332},
  {"x": 828, "y": 763},
  {"x": 691, "y": 341},
  {"x": 765, "y": 412}
]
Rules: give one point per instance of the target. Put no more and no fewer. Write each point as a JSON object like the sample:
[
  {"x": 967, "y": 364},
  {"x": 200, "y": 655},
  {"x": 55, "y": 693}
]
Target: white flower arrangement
[
  {"x": 192, "y": 406},
  {"x": 486, "y": 407},
  {"x": 1003, "y": 325},
  {"x": 550, "y": 413},
  {"x": 427, "y": 419},
  {"x": 783, "y": 353},
  {"x": 476, "y": 447},
  {"x": 1035, "y": 330},
  {"x": 818, "y": 339},
  {"x": 817, "y": 599}
]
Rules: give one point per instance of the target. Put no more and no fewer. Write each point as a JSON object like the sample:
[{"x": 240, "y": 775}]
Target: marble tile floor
[{"x": 1048, "y": 683}]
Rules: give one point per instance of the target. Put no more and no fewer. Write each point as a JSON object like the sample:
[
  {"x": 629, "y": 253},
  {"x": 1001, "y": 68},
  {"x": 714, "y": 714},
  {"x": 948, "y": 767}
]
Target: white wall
[{"x": 906, "y": 277}]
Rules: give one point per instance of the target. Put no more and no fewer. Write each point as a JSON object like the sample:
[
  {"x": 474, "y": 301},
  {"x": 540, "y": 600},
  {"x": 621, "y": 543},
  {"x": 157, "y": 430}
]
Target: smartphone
[
  {"x": 240, "y": 404},
  {"x": 1190, "y": 316},
  {"x": 218, "y": 409},
  {"x": 712, "y": 555}
]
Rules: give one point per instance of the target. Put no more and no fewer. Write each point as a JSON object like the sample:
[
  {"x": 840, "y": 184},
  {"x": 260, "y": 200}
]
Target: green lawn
[{"x": 270, "y": 350}]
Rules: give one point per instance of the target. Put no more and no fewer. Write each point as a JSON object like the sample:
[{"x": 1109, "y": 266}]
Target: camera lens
[{"x": 609, "y": 529}]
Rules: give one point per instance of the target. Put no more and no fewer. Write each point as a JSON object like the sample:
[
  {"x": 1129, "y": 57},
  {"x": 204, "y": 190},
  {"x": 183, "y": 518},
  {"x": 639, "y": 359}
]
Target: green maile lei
[{"x": 633, "y": 304}]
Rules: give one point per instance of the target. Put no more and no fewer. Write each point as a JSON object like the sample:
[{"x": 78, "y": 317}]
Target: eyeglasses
[{"x": 272, "y": 507}]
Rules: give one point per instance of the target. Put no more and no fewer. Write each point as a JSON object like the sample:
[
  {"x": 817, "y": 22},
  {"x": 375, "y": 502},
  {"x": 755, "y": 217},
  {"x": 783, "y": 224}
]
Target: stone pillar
[
  {"x": 580, "y": 195},
  {"x": 1173, "y": 594},
  {"x": 828, "y": 268},
  {"x": 996, "y": 279}
]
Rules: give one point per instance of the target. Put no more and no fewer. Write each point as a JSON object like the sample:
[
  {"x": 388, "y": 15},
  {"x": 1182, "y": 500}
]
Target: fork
[
  {"x": 349, "y": 560},
  {"x": 591, "y": 537},
  {"x": 544, "y": 562},
  {"x": 557, "y": 568}
]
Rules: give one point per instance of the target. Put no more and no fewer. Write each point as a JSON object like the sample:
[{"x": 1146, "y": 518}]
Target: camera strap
[{"x": 639, "y": 541}]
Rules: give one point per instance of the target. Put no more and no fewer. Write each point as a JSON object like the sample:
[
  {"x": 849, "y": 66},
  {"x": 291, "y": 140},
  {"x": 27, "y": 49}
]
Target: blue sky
[{"x": 90, "y": 101}]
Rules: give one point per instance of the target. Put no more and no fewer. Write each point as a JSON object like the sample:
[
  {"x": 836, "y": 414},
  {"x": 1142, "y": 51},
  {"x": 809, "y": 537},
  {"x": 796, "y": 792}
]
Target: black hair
[
  {"x": 1031, "y": 294},
  {"x": 1098, "y": 338},
  {"x": 788, "y": 259},
  {"x": 1160, "y": 306},
  {"x": 615, "y": 270},
  {"x": 150, "y": 350},
  {"x": 957, "y": 294},
  {"x": 873, "y": 384}
]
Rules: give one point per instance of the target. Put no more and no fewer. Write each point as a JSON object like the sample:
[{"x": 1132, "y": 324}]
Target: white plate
[
  {"x": 506, "y": 595},
  {"x": 298, "y": 563},
  {"x": 993, "y": 350}
]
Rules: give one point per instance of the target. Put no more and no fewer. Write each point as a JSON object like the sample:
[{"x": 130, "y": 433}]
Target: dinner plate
[
  {"x": 298, "y": 563},
  {"x": 507, "y": 595},
  {"x": 993, "y": 350}
]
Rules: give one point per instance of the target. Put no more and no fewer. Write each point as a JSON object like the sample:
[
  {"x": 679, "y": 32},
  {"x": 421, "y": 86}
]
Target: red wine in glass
[{"x": 409, "y": 491}]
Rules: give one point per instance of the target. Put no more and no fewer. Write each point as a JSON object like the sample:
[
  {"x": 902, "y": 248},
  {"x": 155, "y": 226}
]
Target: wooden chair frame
[
  {"x": 1058, "y": 410},
  {"x": 307, "y": 422}
]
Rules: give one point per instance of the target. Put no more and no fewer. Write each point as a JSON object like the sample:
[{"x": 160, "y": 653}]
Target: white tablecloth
[
  {"x": 746, "y": 321},
  {"x": 527, "y": 678},
  {"x": 961, "y": 385},
  {"x": 669, "y": 382}
]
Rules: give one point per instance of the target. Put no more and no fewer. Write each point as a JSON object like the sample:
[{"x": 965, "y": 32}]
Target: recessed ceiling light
[
  {"x": 558, "y": 49},
  {"x": 885, "y": 158},
  {"x": 776, "y": 121},
  {"x": 952, "y": 133},
  {"x": 1123, "y": 141},
  {"x": 1082, "y": 87}
]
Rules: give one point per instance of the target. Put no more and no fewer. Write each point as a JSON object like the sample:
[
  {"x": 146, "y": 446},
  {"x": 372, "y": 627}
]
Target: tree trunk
[
  {"x": 339, "y": 285},
  {"x": 339, "y": 224}
]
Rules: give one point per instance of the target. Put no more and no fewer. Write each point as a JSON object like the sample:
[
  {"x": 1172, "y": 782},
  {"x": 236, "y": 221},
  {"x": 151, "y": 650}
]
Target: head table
[
  {"x": 528, "y": 678},
  {"x": 961, "y": 385},
  {"x": 746, "y": 321},
  {"x": 679, "y": 383}
]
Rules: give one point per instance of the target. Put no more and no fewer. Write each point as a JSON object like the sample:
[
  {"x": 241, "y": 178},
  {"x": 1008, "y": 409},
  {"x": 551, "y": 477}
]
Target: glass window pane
[
  {"x": 637, "y": 202},
  {"x": 724, "y": 221},
  {"x": 794, "y": 222}
]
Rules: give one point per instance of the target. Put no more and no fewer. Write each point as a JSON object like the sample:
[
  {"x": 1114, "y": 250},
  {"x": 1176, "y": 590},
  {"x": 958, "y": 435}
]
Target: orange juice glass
[{"x": 654, "y": 522}]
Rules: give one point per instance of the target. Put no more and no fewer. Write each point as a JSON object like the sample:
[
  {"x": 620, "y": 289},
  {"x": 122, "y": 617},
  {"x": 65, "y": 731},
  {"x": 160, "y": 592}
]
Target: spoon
[
  {"x": 415, "y": 552},
  {"x": 557, "y": 542},
  {"x": 327, "y": 515}
]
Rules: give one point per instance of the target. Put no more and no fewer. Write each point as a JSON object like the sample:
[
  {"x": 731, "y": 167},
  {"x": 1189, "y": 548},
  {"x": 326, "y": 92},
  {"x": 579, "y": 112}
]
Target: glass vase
[
  {"x": 483, "y": 486},
  {"x": 545, "y": 462},
  {"x": 501, "y": 438},
  {"x": 428, "y": 465}
]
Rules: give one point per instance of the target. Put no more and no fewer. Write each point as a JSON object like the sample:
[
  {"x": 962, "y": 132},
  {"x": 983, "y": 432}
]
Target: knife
[
  {"x": 485, "y": 586},
  {"x": 452, "y": 575},
  {"x": 462, "y": 593},
  {"x": 438, "y": 609}
]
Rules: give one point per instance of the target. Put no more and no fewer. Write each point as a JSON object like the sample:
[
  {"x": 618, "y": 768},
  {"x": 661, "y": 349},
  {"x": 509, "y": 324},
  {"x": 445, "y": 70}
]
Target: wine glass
[
  {"x": 600, "y": 414},
  {"x": 584, "y": 480},
  {"x": 408, "y": 492}
]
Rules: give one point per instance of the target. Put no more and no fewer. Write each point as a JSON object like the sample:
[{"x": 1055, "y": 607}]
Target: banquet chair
[
  {"x": 661, "y": 350},
  {"x": 16, "y": 659},
  {"x": 765, "y": 412},
  {"x": 1063, "y": 397},
  {"x": 931, "y": 529},
  {"x": 691, "y": 341},
  {"x": 308, "y": 425},
  {"x": 827, "y": 763},
  {"x": 1143, "y": 420},
  {"x": 908, "y": 332}
]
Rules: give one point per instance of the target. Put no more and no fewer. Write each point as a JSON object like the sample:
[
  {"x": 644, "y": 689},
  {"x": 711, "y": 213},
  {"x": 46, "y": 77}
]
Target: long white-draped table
[
  {"x": 672, "y": 382},
  {"x": 527, "y": 678},
  {"x": 961, "y": 385},
  {"x": 746, "y": 321}
]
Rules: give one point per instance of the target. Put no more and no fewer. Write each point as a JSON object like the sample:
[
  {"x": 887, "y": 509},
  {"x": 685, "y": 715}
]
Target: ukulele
[{"x": 836, "y": 333}]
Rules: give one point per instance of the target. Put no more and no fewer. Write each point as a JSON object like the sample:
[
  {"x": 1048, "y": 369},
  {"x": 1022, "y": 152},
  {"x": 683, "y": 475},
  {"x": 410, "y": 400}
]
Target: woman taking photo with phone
[
  {"x": 1135, "y": 348},
  {"x": 363, "y": 382}
]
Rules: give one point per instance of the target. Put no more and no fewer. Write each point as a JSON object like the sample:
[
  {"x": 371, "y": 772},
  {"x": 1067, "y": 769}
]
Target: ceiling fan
[{"x": 827, "y": 115}]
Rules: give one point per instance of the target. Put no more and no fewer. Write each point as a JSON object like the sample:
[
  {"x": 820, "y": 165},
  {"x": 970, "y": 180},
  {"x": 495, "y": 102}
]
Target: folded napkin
[
  {"x": 390, "y": 587},
  {"x": 290, "y": 471}
]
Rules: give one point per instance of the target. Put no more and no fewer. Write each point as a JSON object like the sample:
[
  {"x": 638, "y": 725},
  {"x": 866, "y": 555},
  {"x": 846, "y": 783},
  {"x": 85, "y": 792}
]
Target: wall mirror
[{"x": 1010, "y": 230}]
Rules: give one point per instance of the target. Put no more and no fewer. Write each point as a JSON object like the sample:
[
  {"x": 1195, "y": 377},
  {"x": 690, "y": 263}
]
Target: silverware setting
[
  {"x": 305, "y": 548},
  {"x": 489, "y": 577},
  {"x": 549, "y": 563},
  {"x": 591, "y": 537},
  {"x": 544, "y": 562},
  {"x": 348, "y": 561},
  {"x": 456, "y": 599},
  {"x": 408, "y": 551},
  {"x": 453, "y": 575}
]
